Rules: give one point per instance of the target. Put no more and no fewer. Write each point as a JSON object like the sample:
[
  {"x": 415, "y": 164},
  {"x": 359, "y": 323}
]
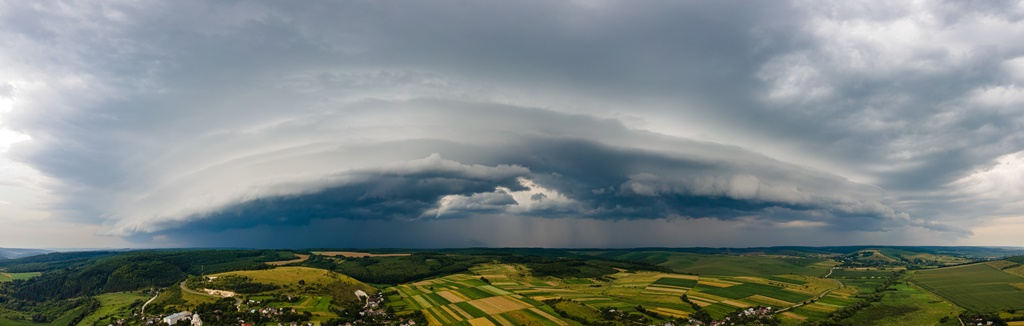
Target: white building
[
  {"x": 175, "y": 318},
  {"x": 196, "y": 321}
]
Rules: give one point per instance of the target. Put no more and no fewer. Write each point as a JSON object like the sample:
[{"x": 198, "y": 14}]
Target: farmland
[
  {"x": 979, "y": 287},
  {"x": 907, "y": 304},
  {"x": 7, "y": 277},
  {"x": 301, "y": 258},
  {"x": 117, "y": 305},
  {"x": 511, "y": 295},
  {"x": 728, "y": 265}
]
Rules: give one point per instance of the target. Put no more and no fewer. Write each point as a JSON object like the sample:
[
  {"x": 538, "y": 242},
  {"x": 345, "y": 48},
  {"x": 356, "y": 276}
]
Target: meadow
[
  {"x": 7, "y": 277},
  {"x": 979, "y": 287},
  {"x": 117, "y": 305},
  {"x": 907, "y": 304}
]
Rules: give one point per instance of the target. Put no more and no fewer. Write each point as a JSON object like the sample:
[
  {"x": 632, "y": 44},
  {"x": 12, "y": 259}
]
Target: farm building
[{"x": 196, "y": 321}]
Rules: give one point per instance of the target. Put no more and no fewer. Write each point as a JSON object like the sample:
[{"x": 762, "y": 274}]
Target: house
[
  {"x": 196, "y": 321},
  {"x": 175, "y": 318}
]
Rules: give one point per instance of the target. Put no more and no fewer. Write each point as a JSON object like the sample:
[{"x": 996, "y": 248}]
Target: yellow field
[
  {"x": 497, "y": 305},
  {"x": 291, "y": 275}
]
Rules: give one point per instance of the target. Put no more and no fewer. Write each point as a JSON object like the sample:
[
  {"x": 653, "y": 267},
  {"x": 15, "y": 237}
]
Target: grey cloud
[{"x": 232, "y": 115}]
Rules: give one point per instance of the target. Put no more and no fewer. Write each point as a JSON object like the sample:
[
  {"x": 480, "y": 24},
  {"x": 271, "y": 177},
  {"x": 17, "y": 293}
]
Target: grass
[
  {"x": 7, "y": 277},
  {"x": 289, "y": 275},
  {"x": 112, "y": 305},
  {"x": 64, "y": 320},
  {"x": 908, "y": 304},
  {"x": 979, "y": 287}
]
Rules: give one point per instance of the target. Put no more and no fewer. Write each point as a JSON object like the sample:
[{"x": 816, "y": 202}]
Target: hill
[{"x": 13, "y": 253}]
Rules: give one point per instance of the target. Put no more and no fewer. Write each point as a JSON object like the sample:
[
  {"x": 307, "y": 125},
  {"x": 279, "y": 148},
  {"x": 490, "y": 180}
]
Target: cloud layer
[{"x": 147, "y": 120}]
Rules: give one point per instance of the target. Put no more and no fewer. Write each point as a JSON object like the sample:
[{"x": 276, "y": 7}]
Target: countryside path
[
  {"x": 822, "y": 295},
  {"x": 147, "y": 303}
]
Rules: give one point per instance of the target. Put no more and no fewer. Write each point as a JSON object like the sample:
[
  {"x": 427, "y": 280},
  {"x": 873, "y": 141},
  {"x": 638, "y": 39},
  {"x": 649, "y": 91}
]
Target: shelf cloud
[{"x": 509, "y": 124}]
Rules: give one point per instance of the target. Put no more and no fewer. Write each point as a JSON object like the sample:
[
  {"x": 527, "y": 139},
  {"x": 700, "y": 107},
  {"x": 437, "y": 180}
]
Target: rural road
[
  {"x": 829, "y": 272},
  {"x": 147, "y": 303},
  {"x": 822, "y": 295}
]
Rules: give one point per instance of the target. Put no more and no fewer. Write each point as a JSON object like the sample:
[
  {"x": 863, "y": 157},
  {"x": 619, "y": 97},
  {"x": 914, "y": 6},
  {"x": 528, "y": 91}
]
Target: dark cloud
[{"x": 149, "y": 117}]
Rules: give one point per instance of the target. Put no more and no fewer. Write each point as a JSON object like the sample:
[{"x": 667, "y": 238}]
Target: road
[
  {"x": 147, "y": 303},
  {"x": 822, "y": 295}
]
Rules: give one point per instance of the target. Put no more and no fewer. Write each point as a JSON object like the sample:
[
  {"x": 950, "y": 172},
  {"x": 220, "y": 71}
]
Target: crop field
[
  {"x": 733, "y": 265},
  {"x": 862, "y": 273},
  {"x": 514, "y": 297},
  {"x": 7, "y": 277},
  {"x": 289, "y": 275},
  {"x": 980, "y": 287},
  {"x": 301, "y": 258},
  {"x": 112, "y": 305}
]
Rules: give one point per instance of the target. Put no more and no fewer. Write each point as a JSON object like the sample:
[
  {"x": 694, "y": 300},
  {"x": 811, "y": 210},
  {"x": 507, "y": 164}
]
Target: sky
[{"x": 510, "y": 123}]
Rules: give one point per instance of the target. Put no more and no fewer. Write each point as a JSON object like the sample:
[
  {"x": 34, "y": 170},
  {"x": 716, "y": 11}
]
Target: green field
[
  {"x": 732, "y": 265},
  {"x": 680, "y": 282},
  {"x": 748, "y": 289},
  {"x": 979, "y": 287},
  {"x": 861, "y": 273},
  {"x": 112, "y": 305},
  {"x": 463, "y": 298},
  {"x": 7, "y": 277},
  {"x": 64, "y": 320},
  {"x": 907, "y": 304},
  {"x": 291, "y": 275}
]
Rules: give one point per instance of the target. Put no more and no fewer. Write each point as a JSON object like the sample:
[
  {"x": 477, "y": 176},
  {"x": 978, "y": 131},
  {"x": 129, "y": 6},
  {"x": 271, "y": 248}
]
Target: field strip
[
  {"x": 494, "y": 290},
  {"x": 716, "y": 284},
  {"x": 680, "y": 276},
  {"x": 671, "y": 312},
  {"x": 702, "y": 302},
  {"x": 502, "y": 320},
  {"x": 301, "y": 258},
  {"x": 736, "y": 304},
  {"x": 548, "y": 316},
  {"x": 790, "y": 314},
  {"x": 768, "y": 301},
  {"x": 451, "y": 297},
  {"x": 705, "y": 296},
  {"x": 432, "y": 317},
  {"x": 465, "y": 315},
  {"x": 450, "y": 311},
  {"x": 482, "y": 321},
  {"x": 666, "y": 289},
  {"x": 423, "y": 302},
  {"x": 497, "y": 305}
]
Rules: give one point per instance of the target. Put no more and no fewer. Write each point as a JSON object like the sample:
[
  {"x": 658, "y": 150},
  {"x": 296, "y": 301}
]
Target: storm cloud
[{"x": 147, "y": 122}]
